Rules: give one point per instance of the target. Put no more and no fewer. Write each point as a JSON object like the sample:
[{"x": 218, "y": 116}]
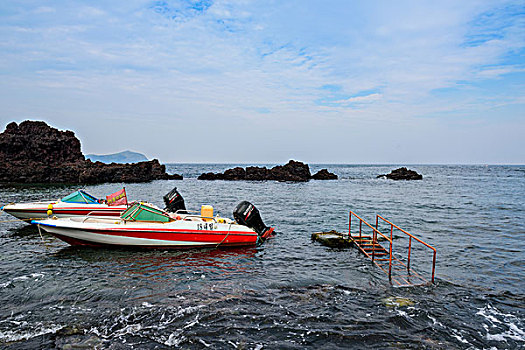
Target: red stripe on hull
[
  {"x": 214, "y": 237},
  {"x": 84, "y": 243}
]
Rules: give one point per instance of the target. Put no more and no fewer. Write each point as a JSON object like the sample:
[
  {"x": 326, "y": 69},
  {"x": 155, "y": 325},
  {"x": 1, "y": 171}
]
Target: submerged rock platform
[
  {"x": 34, "y": 152},
  {"x": 333, "y": 239},
  {"x": 293, "y": 171}
]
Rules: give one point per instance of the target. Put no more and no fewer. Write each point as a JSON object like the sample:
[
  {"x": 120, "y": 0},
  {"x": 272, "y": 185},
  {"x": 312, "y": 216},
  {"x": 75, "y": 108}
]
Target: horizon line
[{"x": 378, "y": 164}]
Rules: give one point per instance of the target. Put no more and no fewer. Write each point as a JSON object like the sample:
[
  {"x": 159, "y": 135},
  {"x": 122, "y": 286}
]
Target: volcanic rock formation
[
  {"x": 402, "y": 174},
  {"x": 34, "y": 152},
  {"x": 292, "y": 171},
  {"x": 324, "y": 174}
]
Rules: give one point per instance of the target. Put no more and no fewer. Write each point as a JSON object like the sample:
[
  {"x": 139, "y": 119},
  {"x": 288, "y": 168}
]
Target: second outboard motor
[
  {"x": 246, "y": 214},
  {"x": 174, "y": 201}
]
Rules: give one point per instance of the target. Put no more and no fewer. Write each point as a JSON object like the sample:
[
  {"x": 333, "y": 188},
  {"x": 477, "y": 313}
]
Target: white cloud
[{"x": 221, "y": 64}]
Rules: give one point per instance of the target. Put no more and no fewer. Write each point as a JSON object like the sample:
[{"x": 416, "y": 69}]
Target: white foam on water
[
  {"x": 436, "y": 322},
  {"x": 495, "y": 317},
  {"x": 173, "y": 340},
  {"x": 459, "y": 337},
  {"x": 402, "y": 313},
  {"x": 204, "y": 343},
  {"x": 33, "y": 276},
  {"x": 13, "y": 336},
  {"x": 148, "y": 305}
]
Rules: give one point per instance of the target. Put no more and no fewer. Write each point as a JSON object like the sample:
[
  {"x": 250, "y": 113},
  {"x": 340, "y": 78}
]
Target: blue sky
[{"x": 267, "y": 81}]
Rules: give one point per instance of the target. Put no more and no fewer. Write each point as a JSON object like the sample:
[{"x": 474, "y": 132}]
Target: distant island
[{"x": 121, "y": 157}]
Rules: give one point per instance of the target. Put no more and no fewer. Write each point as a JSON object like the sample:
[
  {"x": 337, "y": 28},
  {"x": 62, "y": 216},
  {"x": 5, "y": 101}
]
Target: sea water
[{"x": 290, "y": 292}]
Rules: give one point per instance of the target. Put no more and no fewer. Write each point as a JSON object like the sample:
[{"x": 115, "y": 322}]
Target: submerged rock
[
  {"x": 332, "y": 239},
  {"x": 292, "y": 171},
  {"x": 34, "y": 152},
  {"x": 397, "y": 302},
  {"x": 402, "y": 174}
]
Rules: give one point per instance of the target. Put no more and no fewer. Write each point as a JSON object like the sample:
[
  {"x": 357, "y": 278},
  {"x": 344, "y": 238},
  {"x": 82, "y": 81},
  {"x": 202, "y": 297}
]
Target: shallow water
[{"x": 290, "y": 292}]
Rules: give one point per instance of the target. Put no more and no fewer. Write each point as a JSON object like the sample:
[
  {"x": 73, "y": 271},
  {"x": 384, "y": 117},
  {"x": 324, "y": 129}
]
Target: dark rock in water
[
  {"x": 402, "y": 174},
  {"x": 292, "y": 171},
  {"x": 208, "y": 176},
  {"x": 332, "y": 239},
  {"x": 174, "y": 177},
  {"x": 257, "y": 173},
  {"x": 34, "y": 152},
  {"x": 236, "y": 173},
  {"x": 324, "y": 174}
]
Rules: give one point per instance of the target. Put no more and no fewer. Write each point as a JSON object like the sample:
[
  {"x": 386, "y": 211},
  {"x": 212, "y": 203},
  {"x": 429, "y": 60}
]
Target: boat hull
[
  {"x": 39, "y": 210},
  {"x": 174, "y": 235}
]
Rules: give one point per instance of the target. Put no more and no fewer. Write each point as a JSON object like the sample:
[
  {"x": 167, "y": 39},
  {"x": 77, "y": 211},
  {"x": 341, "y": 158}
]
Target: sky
[{"x": 241, "y": 81}]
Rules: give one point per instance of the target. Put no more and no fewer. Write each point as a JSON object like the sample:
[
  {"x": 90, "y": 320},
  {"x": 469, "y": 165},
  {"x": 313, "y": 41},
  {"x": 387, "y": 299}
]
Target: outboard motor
[
  {"x": 246, "y": 214},
  {"x": 174, "y": 201}
]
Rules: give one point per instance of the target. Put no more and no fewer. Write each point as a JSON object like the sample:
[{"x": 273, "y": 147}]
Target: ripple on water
[{"x": 290, "y": 292}]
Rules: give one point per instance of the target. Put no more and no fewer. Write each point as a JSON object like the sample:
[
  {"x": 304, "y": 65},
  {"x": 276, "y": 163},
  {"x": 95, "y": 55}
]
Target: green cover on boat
[
  {"x": 143, "y": 212},
  {"x": 80, "y": 197}
]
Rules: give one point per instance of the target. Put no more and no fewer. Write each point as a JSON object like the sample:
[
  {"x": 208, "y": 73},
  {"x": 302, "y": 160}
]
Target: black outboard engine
[
  {"x": 174, "y": 202},
  {"x": 246, "y": 214}
]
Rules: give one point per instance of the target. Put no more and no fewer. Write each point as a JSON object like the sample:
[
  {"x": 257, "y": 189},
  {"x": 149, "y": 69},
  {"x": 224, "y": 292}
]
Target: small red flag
[{"x": 117, "y": 198}]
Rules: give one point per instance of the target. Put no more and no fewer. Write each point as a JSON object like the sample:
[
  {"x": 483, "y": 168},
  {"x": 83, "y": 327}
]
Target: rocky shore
[
  {"x": 34, "y": 152},
  {"x": 402, "y": 174},
  {"x": 292, "y": 171}
]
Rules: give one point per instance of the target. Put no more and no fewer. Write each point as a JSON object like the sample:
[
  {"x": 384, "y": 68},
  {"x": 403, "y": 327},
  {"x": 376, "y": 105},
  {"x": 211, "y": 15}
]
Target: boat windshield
[
  {"x": 143, "y": 212},
  {"x": 80, "y": 196}
]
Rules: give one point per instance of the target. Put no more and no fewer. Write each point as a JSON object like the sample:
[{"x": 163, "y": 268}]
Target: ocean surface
[{"x": 290, "y": 292}]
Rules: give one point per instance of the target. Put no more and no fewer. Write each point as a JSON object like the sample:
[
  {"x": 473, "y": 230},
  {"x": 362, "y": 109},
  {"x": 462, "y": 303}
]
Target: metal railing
[
  {"x": 369, "y": 245},
  {"x": 374, "y": 240},
  {"x": 392, "y": 226}
]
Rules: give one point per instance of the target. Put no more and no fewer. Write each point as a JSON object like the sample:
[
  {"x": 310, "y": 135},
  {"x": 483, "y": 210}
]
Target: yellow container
[{"x": 207, "y": 212}]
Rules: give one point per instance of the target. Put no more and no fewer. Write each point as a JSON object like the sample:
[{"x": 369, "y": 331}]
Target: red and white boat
[
  {"x": 78, "y": 203},
  {"x": 143, "y": 225}
]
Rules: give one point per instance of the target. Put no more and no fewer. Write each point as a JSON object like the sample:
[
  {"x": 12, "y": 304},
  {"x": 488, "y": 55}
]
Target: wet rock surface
[
  {"x": 332, "y": 239},
  {"x": 34, "y": 152},
  {"x": 293, "y": 171},
  {"x": 402, "y": 174}
]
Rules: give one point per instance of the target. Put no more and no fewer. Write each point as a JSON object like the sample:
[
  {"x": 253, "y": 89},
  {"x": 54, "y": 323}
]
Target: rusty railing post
[
  {"x": 350, "y": 225},
  {"x": 433, "y": 266},
  {"x": 409, "y": 248},
  {"x": 374, "y": 238},
  {"x": 360, "y": 226},
  {"x": 390, "y": 257}
]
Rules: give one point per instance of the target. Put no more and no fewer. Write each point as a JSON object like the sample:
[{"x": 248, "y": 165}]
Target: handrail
[
  {"x": 361, "y": 220},
  {"x": 200, "y": 216},
  {"x": 392, "y": 225},
  {"x": 371, "y": 241},
  {"x": 374, "y": 240},
  {"x": 411, "y": 235}
]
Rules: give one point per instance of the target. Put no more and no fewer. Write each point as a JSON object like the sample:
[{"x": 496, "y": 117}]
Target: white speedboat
[
  {"x": 143, "y": 225},
  {"x": 78, "y": 203}
]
